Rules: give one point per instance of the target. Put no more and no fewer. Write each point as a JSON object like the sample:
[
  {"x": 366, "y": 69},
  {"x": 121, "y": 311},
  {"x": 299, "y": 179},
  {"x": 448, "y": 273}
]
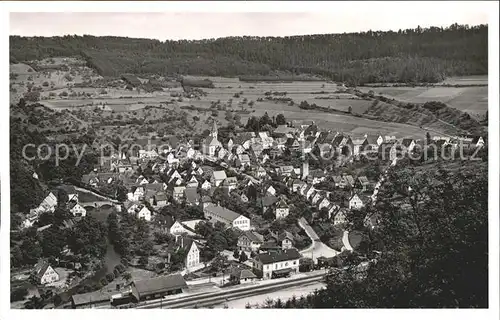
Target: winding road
[{"x": 317, "y": 248}]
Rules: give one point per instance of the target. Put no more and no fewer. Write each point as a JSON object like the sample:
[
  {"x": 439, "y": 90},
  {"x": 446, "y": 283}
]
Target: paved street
[
  {"x": 345, "y": 241},
  {"x": 317, "y": 248}
]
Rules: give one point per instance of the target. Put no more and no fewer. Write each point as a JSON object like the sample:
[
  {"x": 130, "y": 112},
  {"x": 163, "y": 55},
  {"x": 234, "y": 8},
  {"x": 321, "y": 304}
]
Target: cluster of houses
[
  {"x": 184, "y": 174},
  {"x": 50, "y": 203}
]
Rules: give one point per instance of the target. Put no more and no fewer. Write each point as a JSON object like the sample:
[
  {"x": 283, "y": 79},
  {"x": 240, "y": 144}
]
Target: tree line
[{"x": 411, "y": 55}]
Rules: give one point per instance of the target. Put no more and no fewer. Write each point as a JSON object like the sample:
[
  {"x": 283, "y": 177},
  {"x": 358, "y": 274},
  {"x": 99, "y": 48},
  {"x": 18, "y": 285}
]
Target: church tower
[
  {"x": 305, "y": 168},
  {"x": 214, "y": 132}
]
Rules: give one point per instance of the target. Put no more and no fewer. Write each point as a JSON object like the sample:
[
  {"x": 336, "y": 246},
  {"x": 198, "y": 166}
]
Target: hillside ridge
[{"x": 412, "y": 55}]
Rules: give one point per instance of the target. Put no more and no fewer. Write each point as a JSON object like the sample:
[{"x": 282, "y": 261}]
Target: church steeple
[{"x": 214, "y": 130}]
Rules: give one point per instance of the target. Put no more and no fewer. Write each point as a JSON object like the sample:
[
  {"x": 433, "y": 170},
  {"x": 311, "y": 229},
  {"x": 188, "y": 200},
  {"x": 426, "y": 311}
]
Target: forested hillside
[{"x": 413, "y": 55}]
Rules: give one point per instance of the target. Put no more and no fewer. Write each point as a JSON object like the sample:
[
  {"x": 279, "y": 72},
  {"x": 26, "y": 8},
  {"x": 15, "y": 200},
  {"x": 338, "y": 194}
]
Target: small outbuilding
[{"x": 158, "y": 287}]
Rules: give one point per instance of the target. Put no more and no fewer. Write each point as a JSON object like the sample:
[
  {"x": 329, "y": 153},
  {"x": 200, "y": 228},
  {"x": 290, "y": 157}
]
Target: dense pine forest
[{"x": 412, "y": 55}]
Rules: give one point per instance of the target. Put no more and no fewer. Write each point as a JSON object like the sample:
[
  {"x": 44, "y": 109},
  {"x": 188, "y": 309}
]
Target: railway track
[{"x": 214, "y": 298}]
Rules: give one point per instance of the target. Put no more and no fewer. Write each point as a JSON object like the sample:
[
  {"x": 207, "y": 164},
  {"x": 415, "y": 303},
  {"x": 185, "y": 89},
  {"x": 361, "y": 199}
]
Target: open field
[
  {"x": 246, "y": 98},
  {"x": 23, "y": 77},
  {"x": 469, "y": 80},
  {"x": 473, "y": 100}
]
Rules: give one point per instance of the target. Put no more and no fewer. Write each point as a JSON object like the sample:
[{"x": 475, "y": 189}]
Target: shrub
[
  {"x": 68, "y": 77},
  {"x": 32, "y": 96},
  {"x": 120, "y": 268},
  {"x": 18, "y": 294},
  {"x": 160, "y": 266},
  {"x": 103, "y": 282},
  {"x": 243, "y": 257},
  {"x": 110, "y": 277}
]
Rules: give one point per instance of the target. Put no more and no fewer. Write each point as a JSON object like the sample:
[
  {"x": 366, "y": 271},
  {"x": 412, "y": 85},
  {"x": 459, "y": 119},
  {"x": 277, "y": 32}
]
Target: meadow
[
  {"x": 246, "y": 98},
  {"x": 471, "y": 96}
]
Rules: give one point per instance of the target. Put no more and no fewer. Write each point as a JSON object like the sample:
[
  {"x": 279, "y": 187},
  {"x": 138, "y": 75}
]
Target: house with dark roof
[
  {"x": 70, "y": 191},
  {"x": 238, "y": 276},
  {"x": 90, "y": 300},
  {"x": 286, "y": 239},
  {"x": 408, "y": 144},
  {"x": 315, "y": 176},
  {"x": 158, "y": 287},
  {"x": 230, "y": 183},
  {"x": 76, "y": 209},
  {"x": 266, "y": 202},
  {"x": 374, "y": 141},
  {"x": 256, "y": 149},
  {"x": 192, "y": 196},
  {"x": 292, "y": 144},
  {"x": 340, "y": 216},
  {"x": 149, "y": 196},
  {"x": 275, "y": 264},
  {"x": 296, "y": 185},
  {"x": 282, "y": 209},
  {"x": 270, "y": 245},
  {"x": 250, "y": 241},
  {"x": 343, "y": 145},
  {"x": 160, "y": 199},
  {"x": 327, "y": 137},
  {"x": 228, "y": 217},
  {"x": 323, "y": 203},
  {"x": 478, "y": 141},
  {"x": 190, "y": 251}
]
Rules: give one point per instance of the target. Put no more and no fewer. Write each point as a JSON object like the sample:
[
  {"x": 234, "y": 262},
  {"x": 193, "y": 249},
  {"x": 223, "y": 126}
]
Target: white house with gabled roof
[
  {"x": 355, "y": 202},
  {"x": 228, "y": 217},
  {"x": 218, "y": 177}
]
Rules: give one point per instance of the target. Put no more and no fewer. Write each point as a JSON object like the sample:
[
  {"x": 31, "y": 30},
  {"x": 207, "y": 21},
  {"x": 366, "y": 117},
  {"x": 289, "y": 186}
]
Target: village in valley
[
  {"x": 165, "y": 190},
  {"x": 234, "y": 210}
]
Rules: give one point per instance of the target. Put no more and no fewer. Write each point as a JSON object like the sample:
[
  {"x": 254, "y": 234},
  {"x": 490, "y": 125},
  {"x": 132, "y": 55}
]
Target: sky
[{"x": 312, "y": 19}]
